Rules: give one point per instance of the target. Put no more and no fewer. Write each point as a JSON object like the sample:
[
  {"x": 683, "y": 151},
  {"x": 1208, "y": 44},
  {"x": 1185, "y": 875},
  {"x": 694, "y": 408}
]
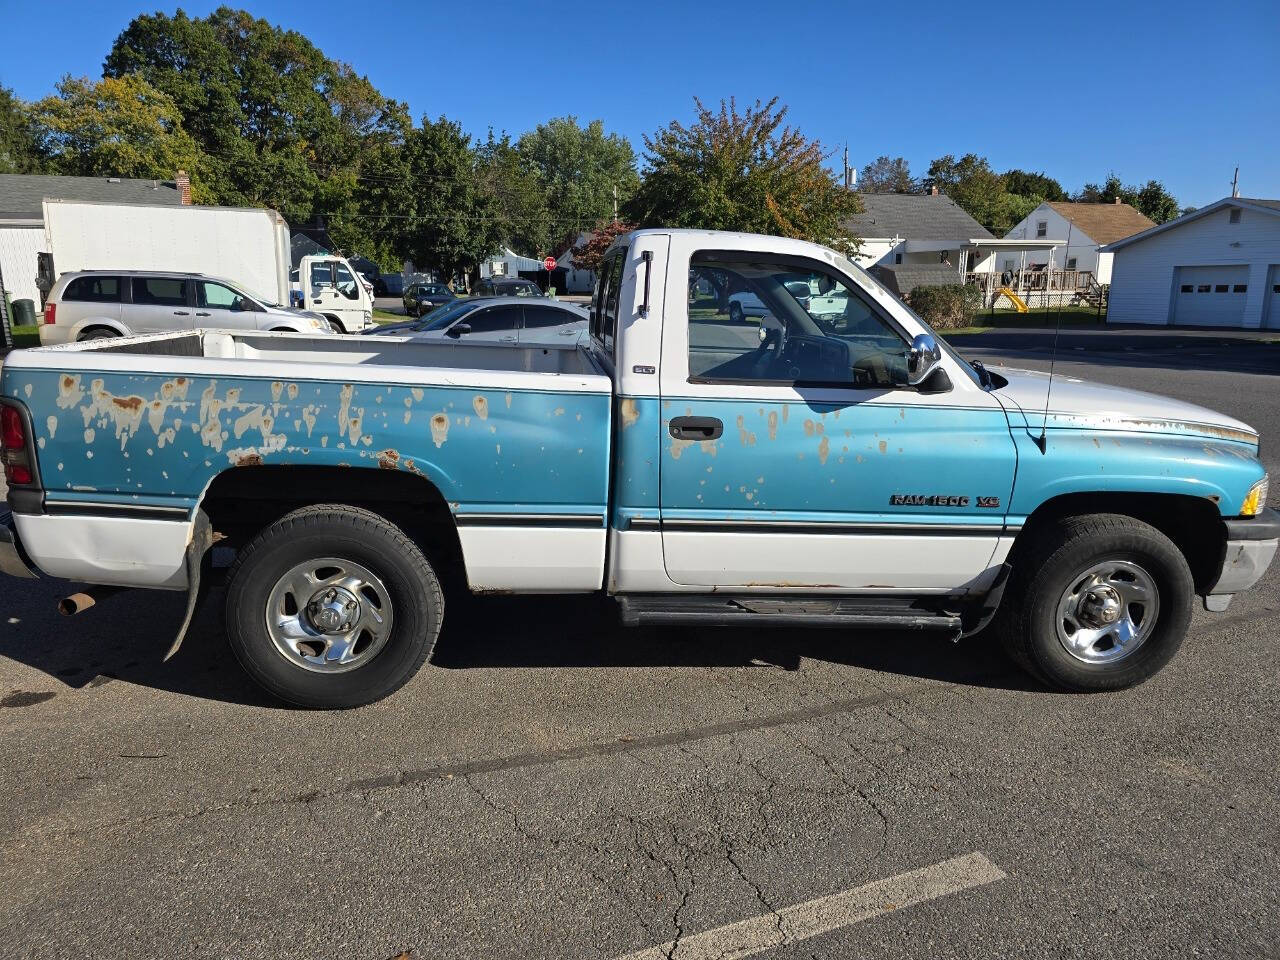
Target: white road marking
[{"x": 746, "y": 938}]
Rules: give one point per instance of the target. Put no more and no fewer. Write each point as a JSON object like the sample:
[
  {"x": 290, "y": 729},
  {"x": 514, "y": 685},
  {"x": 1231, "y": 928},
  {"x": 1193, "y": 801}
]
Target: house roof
[
  {"x": 1104, "y": 222},
  {"x": 21, "y": 194},
  {"x": 1266, "y": 206},
  {"x": 910, "y": 216},
  {"x": 902, "y": 278}
]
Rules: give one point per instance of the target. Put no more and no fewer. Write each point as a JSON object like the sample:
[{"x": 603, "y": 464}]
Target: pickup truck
[{"x": 846, "y": 472}]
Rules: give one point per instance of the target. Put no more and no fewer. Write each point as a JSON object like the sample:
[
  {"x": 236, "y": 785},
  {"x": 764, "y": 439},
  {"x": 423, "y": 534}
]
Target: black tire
[
  {"x": 337, "y": 327},
  {"x": 97, "y": 333},
  {"x": 1043, "y": 572},
  {"x": 735, "y": 313},
  {"x": 355, "y": 535}
]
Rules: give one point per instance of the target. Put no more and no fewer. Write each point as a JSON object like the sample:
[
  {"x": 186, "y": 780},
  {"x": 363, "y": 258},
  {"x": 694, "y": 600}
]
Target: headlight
[{"x": 1256, "y": 499}]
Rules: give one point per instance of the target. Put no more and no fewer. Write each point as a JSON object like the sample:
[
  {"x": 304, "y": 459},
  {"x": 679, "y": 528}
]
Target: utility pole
[
  {"x": 1235, "y": 183},
  {"x": 615, "y": 203},
  {"x": 847, "y": 184}
]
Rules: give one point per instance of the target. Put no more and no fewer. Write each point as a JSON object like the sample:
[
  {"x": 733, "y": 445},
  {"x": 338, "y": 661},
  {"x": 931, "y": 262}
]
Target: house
[
  {"x": 1079, "y": 231},
  {"x": 908, "y": 228},
  {"x": 1218, "y": 266},
  {"x": 22, "y": 198},
  {"x": 566, "y": 278}
]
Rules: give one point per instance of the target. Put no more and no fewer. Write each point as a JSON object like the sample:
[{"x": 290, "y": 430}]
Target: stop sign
[{"x": 549, "y": 264}]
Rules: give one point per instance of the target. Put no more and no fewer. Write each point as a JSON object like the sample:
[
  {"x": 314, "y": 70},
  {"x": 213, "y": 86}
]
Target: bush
[{"x": 947, "y": 307}]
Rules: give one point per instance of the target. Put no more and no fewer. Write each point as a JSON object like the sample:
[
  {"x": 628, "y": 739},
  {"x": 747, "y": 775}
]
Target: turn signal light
[
  {"x": 13, "y": 440},
  {"x": 1256, "y": 499},
  {"x": 50, "y": 312}
]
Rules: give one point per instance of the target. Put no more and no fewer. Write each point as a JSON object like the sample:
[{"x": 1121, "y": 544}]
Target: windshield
[{"x": 441, "y": 317}]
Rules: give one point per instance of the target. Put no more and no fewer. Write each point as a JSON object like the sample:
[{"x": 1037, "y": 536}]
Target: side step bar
[{"x": 758, "y": 611}]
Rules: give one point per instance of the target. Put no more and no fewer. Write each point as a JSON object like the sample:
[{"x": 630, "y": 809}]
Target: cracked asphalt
[{"x": 555, "y": 786}]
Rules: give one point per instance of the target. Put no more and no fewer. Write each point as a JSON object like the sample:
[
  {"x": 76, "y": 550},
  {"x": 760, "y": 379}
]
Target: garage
[
  {"x": 1218, "y": 266},
  {"x": 1210, "y": 296}
]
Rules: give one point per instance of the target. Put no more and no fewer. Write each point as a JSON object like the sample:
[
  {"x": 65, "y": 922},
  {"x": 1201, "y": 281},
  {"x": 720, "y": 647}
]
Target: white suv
[{"x": 116, "y": 303}]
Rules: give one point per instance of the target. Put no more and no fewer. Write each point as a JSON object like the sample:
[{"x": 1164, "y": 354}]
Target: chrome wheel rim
[
  {"x": 1107, "y": 612},
  {"x": 329, "y": 615}
]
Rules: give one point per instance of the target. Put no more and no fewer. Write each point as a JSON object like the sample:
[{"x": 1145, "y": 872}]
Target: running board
[{"x": 760, "y": 611}]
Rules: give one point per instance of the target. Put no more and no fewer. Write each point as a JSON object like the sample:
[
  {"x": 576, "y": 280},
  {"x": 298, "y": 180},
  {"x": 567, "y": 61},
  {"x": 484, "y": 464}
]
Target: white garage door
[{"x": 1210, "y": 296}]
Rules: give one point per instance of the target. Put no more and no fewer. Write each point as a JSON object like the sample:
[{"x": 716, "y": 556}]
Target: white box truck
[{"x": 249, "y": 246}]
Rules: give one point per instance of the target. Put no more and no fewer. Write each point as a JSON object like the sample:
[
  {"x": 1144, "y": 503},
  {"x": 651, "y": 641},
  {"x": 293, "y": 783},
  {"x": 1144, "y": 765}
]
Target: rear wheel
[
  {"x": 98, "y": 333},
  {"x": 1097, "y": 602},
  {"x": 332, "y": 607}
]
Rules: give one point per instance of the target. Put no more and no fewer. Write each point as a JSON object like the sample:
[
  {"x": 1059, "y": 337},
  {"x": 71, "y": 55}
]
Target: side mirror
[
  {"x": 457, "y": 330},
  {"x": 923, "y": 357}
]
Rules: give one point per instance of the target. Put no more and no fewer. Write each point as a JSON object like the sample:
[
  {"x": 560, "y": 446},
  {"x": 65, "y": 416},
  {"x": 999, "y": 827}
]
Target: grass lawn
[{"x": 386, "y": 316}]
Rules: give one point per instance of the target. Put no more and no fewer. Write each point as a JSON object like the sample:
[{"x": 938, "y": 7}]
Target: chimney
[
  {"x": 933, "y": 191},
  {"x": 183, "y": 183}
]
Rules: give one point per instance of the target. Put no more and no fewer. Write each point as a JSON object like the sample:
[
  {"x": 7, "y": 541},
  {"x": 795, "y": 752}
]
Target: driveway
[{"x": 555, "y": 786}]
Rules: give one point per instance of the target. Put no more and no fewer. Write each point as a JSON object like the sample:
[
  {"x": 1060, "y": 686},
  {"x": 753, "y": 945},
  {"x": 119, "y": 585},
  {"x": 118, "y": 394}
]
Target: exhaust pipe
[{"x": 80, "y": 602}]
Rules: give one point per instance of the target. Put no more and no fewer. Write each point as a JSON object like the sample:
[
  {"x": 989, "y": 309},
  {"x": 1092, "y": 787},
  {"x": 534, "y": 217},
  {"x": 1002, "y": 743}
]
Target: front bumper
[
  {"x": 12, "y": 560},
  {"x": 1251, "y": 546}
]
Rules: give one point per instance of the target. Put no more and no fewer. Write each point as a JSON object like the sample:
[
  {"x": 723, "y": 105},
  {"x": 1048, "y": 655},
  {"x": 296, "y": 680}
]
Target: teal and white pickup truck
[{"x": 841, "y": 469}]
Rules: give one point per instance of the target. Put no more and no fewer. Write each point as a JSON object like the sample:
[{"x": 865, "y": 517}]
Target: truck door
[
  {"x": 793, "y": 458},
  {"x": 330, "y": 287}
]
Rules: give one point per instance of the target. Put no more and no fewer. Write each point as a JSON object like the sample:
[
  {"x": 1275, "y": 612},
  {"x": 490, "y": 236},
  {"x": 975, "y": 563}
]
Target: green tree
[
  {"x": 117, "y": 127},
  {"x": 885, "y": 175},
  {"x": 732, "y": 170},
  {"x": 580, "y": 168},
  {"x": 1033, "y": 185},
  {"x": 452, "y": 219},
  {"x": 19, "y": 143},
  {"x": 972, "y": 184},
  {"x": 1151, "y": 199},
  {"x": 1008, "y": 210},
  {"x": 519, "y": 196}
]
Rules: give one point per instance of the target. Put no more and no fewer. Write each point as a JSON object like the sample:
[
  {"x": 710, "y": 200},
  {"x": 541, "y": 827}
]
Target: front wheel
[
  {"x": 337, "y": 327},
  {"x": 1097, "y": 602},
  {"x": 332, "y": 607},
  {"x": 735, "y": 312}
]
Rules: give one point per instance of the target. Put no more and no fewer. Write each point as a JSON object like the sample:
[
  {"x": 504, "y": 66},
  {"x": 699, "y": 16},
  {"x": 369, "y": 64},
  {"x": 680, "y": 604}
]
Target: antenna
[
  {"x": 1041, "y": 441},
  {"x": 1235, "y": 183}
]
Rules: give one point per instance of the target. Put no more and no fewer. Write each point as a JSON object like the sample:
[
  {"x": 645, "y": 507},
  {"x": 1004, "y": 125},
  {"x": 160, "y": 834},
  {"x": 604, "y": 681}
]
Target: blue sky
[{"x": 1177, "y": 91}]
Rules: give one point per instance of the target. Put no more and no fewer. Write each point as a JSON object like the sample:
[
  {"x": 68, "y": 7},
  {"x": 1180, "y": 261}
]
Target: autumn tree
[
  {"x": 588, "y": 254},
  {"x": 116, "y": 127},
  {"x": 743, "y": 170},
  {"x": 885, "y": 175}
]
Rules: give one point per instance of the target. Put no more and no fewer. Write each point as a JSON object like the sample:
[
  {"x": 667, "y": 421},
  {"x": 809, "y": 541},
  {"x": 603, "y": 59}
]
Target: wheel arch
[
  {"x": 1194, "y": 524},
  {"x": 106, "y": 323},
  {"x": 241, "y": 501}
]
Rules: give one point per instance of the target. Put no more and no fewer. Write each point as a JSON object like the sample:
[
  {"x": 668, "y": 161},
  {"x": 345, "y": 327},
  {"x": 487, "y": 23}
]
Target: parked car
[
  {"x": 745, "y": 303},
  {"x": 675, "y": 461},
  {"x": 496, "y": 319},
  {"x": 421, "y": 298},
  {"x": 507, "y": 287},
  {"x": 389, "y": 285},
  {"x": 96, "y": 304}
]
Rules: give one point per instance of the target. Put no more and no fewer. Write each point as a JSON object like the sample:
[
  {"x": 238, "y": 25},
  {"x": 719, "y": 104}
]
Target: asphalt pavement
[{"x": 553, "y": 785}]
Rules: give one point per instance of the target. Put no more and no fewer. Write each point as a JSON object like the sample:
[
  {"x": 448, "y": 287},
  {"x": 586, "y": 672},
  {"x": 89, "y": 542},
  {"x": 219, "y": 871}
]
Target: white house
[
  {"x": 22, "y": 216},
  {"x": 1218, "y": 266},
  {"x": 1079, "y": 230}
]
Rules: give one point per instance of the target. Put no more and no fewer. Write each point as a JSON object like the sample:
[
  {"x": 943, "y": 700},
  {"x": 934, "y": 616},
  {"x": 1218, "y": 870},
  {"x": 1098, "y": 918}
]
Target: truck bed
[{"x": 144, "y": 425}]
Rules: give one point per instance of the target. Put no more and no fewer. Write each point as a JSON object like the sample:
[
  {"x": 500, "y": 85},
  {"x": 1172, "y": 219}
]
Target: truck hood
[{"x": 1083, "y": 405}]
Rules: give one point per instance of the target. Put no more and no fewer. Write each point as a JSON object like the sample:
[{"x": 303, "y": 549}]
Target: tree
[
  {"x": 747, "y": 171},
  {"x": 1008, "y": 210},
  {"x": 281, "y": 125},
  {"x": 580, "y": 168},
  {"x": 1033, "y": 185},
  {"x": 885, "y": 175},
  {"x": 453, "y": 223},
  {"x": 519, "y": 196},
  {"x": 972, "y": 184},
  {"x": 588, "y": 254},
  {"x": 117, "y": 127},
  {"x": 1152, "y": 199},
  {"x": 19, "y": 143}
]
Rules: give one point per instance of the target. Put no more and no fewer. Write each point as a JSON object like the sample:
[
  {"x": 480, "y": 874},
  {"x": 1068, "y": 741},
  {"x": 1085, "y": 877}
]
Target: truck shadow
[{"x": 124, "y": 638}]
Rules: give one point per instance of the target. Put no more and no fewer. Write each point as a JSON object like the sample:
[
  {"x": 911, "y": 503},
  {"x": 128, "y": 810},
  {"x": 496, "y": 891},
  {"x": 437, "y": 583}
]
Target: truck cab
[
  {"x": 822, "y": 459},
  {"x": 330, "y": 287}
]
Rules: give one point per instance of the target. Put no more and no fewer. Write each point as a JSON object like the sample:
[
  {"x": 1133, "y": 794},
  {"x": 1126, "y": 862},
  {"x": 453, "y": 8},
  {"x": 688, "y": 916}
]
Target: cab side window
[
  {"x": 786, "y": 320},
  {"x": 604, "y": 303}
]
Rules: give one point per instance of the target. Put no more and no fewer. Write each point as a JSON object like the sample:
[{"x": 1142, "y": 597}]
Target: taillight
[
  {"x": 13, "y": 447},
  {"x": 50, "y": 312}
]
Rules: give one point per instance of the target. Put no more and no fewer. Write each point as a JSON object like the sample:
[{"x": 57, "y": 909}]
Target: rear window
[
  {"x": 93, "y": 290},
  {"x": 160, "y": 291}
]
